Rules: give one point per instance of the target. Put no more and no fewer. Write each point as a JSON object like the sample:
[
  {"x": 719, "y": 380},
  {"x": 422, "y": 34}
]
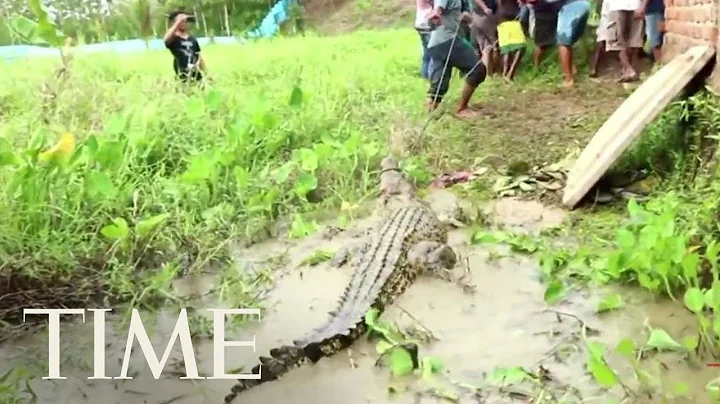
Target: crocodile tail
[
  {"x": 285, "y": 358},
  {"x": 281, "y": 360}
]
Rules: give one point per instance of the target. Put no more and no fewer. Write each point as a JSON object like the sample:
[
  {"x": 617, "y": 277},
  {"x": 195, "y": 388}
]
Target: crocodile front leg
[
  {"x": 434, "y": 257},
  {"x": 346, "y": 254}
]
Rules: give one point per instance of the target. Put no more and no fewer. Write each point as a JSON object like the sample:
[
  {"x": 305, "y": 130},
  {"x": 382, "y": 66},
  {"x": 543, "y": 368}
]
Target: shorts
[
  {"x": 544, "y": 26},
  {"x": 511, "y": 37},
  {"x": 572, "y": 21},
  {"x": 624, "y": 31},
  {"x": 652, "y": 29}
]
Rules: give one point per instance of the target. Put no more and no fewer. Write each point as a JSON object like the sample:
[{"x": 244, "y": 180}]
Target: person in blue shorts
[
  {"x": 654, "y": 11},
  {"x": 562, "y": 22}
]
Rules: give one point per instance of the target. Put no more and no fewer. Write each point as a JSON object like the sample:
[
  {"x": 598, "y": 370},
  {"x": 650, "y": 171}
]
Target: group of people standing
[{"x": 473, "y": 35}]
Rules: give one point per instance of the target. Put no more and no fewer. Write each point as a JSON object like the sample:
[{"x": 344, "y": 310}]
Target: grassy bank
[
  {"x": 666, "y": 244},
  {"x": 159, "y": 179}
]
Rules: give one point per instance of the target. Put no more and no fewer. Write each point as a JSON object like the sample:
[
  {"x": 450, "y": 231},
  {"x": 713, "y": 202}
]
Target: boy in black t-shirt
[{"x": 188, "y": 63}]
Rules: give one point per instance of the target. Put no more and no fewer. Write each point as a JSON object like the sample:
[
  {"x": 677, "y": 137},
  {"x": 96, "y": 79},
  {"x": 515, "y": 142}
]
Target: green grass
[{"x": 162, "y": 177}]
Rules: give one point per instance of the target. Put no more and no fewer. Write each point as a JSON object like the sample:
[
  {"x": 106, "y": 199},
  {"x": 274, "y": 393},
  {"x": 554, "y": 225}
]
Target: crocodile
[{"x": 409, "y": 241}]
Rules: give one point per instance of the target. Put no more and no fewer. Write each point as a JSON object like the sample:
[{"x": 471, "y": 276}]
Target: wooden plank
[{"x": 630, "y": 118}]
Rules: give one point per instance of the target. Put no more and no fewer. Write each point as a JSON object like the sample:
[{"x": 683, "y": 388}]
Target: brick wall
[{"x": 688, "y": 23}]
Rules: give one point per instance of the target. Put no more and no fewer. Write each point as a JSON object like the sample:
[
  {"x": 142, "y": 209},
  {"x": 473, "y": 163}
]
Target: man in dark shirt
[{"x": 188, "y": 63}]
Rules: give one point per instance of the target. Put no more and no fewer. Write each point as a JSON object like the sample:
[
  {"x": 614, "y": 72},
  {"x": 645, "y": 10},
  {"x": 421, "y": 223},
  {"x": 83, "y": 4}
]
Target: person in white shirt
[
  {"x": 626, "y": 30},
  {"x": 422, "y": 26}
]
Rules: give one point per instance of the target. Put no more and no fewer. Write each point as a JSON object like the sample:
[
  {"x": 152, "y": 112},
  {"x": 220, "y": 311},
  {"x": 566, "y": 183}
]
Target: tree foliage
[{"x": 106, "y": 20}]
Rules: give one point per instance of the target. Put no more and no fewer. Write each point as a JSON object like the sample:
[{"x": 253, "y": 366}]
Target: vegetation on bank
[
  {"x": 91, "y": 21},
  {"x": 148, "y": 180},
  {"x": 160, "y": 178},
  {"x": 667, "y": 244}
]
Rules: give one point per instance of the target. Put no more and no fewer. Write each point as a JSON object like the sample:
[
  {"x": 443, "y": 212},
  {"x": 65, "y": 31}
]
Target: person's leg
[
  {"x": 600, "y": 43},
  {"x": 512, "y": 39},
  {"x": 506, "y": 65},
  {"x": 598, "y": 53},
  {"x": 636, "y": 41},
  {"x": 543, "y": 34},
  {"x": 518, "y": 54},
  {"x": 618, "y": 32},
  {"x": 572, "y": 20},
  {"x": 425, "y": 66},
  {"x": 440, "y": 72},
  {"x": 654, "y": 36},
  {"x": 463, "y": 58}
]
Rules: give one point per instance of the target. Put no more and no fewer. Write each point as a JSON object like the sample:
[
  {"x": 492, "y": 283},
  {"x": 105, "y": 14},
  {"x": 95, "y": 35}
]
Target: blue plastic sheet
[{"x": 268, "y": 27}]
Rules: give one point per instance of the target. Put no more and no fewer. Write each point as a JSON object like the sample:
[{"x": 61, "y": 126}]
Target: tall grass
[{"x": 161, "y": 176}]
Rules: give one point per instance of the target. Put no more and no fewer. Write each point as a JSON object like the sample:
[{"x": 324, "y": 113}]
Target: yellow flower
[{"x": 63, "y": 148}]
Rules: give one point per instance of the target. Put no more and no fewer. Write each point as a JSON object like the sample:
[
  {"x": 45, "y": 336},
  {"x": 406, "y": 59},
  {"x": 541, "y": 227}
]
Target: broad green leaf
[
  {"x": 116, "y": 231},
  {"x": 305, "y": 183},
  {"x": 609, "y": 302},
  {"x": 431, "y": 365},
  {"x": 603, "y": 374},
  {"x": 316, "y": 258},
  {"x": 308, "y": 159},
  {"x": 24, "y": 27},
  {"x": 283, "y": 172},
  {"x": 634, "y": 209},
  {"x": 200, "y": 168},
  {"x": 625, "y": 239},
  {"x": 99, "y": 185},
  {"x": 482, "y": 236},
  {"x": 662, "y": 341},
  {"x": 596, "y": 349},
  {"x": 691, "y": 343},
  {"x": 371, "y": 317},
  {"x": 144, "y": 227},
  {"x": 400, "y": 361},
  {"x": 626, "y": 348},
  {"x": 46, "y": 26},
  {"x": 554, "y": 292},
  {"x": 508, "y": 376},
  {"x": 7, "y": 157},
  {"x": 690, "y": 264},
  {"x": 694, "y": 300}
]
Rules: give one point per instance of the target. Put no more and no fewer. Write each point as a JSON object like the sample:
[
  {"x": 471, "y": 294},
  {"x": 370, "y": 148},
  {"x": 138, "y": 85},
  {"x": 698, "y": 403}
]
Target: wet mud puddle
[{"x": 504, "y": 323}]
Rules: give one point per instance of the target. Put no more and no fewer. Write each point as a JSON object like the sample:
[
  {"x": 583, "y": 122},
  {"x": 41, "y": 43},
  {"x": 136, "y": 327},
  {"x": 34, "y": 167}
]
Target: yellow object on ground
[
  {"x": 510, "y": 36},
  {"x": 63, "y": 148}
]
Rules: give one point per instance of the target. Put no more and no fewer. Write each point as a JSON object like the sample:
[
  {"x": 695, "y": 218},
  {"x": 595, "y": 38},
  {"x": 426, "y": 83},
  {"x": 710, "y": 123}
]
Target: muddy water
[{"x": 504, "y": 323}]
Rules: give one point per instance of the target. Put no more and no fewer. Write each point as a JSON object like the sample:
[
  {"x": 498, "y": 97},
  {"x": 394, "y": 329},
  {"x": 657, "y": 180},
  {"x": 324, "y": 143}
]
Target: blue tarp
[{"x": 268, "y": 27}]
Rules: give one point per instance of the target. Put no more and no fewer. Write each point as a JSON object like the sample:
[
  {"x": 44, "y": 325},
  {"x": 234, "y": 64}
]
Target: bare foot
[
  {"x": 465, "y": 113},
  {"x": 593, "y": 74},
  {"x": 568, "y": 83}
]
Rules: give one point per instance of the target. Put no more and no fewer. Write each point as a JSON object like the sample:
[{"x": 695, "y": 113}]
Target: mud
[
  {"x": 524, "y": 216},
  {"x": 504, "y": 323}
]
